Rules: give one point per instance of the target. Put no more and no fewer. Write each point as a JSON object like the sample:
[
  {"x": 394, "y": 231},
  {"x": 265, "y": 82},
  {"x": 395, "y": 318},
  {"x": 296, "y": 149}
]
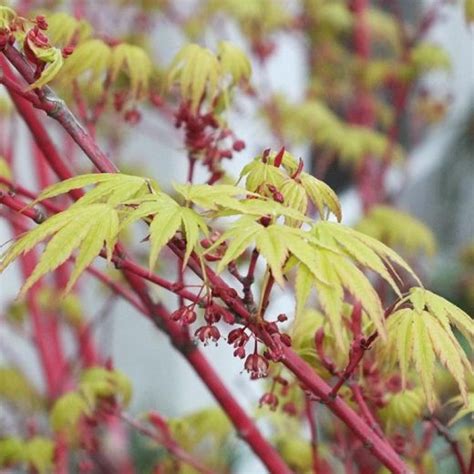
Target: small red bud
[
  {"x": 269, "y": 399},
  {"x": 290, "y": 408},
  {"x": 41, "y": 22},
  {"x": 67, "y": 51},
  {"x": 278, "y": 197},
  {"x": 265, "y": 154},
  {"x": 239, "y": 352},
  {"x": 132, "y": 116},
  {"x": 238, "y": 145},
  {"x": 279, "y": 157}
]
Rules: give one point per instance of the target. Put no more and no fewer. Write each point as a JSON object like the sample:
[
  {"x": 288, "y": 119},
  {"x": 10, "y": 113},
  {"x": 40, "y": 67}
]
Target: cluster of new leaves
[
  {"x": 36, "y": 453},
  {"x": 34, "y": 42},
  {"x": 303, "y": 333},
  {"x": 206, "y": 433},
  {"x": 256, "y": 19},
  {"x": 91, "y": 62},
  {"x": 17, "y": 390},
  {"x": 419, "y": 331},
  {"x": 91, "y": 222},
  {"x": 95, "y": 384},
  {"x": 350, "y": 142},
  {"x": 202, "y": 74}
]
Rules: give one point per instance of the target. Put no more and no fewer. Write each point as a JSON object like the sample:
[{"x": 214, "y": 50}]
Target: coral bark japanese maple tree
[{"x": 367, "y": 365}]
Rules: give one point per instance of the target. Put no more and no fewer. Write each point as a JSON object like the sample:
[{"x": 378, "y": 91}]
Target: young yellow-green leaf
[
  {"x": 271, "y": 245},
  {"x": 63, "y": 28},
  {"x": 211, "y": 197},
  {"x": 260, "y": 207},
  {"x": 113, "y": 188},
  {"x": 39, "y": 453},
  {"x": 442, "y": 308},
  {"x": 333, "y": 274},
  {"x": 424, "y": 358},
  {"x": 421, "y": 333},
  {"x": 259, "y": 175},
  {"x": 360, "y": 287},
  {"x": 7, "y": 16},
  {"x": 449, "y": 352},
  {"x": 321, "y": 195},
  {"x": 86, "y": 228},
  {"x": 53, "y": 57},
  {"x": 234, "y": 62},
  {"x": 469, "y": 11},
  {"x": 162, "y": 230},
  {"x": 103, "y": 229},
  {"x": 349, "y": 240},
  {"x": 98, "y": 382},
  {"x": 197, "y": 70},
  {"x": 466, "y": 408},
  {"x": 304, "y": 283},
  {"x": 32, "y": 238},
  {"x": 91, "y": 56},
  {"x": 135, "y": 63},
  {"x": 193, "y": 225},
  {"x": 66, "y": 413},
  {"x": 11, "y": 449},
  {"x": 275, "y": 243},
  {"x": 17, "y": 390},
  {"x": 162, "y": 208},
  {"x": 404, "y": 341},
  {"x": 402, "y": 409},
  {"x": 295, "y": 197}
]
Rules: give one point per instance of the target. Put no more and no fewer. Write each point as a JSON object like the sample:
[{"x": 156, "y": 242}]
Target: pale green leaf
[
  {"x": 39, "y": 452},
  {"x": 32, "y": 238},
  {"x": 447, "y": 352},
  {"x": 424, "y": 357},
  {"x": 359, "y": 286},
  {"x": 303, "y": 284},
  {"x": 273, "y": 248},
  {"x": 104, "y": 227},
  {"x": 404, "y": 339},
  {"x": 162, "y": 228},
  {"x": 54, "y": 59}
]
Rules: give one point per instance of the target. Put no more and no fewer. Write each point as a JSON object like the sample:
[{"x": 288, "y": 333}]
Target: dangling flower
[
  {"x": 269, "y": 399},
  {"x": 257, "y": 366},
  {"x": 208, "y": 333},
  {"x": 184, "y": 316}
]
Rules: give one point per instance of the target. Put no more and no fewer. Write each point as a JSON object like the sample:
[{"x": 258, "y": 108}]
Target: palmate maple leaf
[
  {"x": 87, "y": 225},
  {"x": 80, "y": 227},
  {"x": 166, "y": 218},
  {"x": 419, "y": 332},
  {"x": 261, "y": 173},
  {"x": 339, "y": 254}
]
